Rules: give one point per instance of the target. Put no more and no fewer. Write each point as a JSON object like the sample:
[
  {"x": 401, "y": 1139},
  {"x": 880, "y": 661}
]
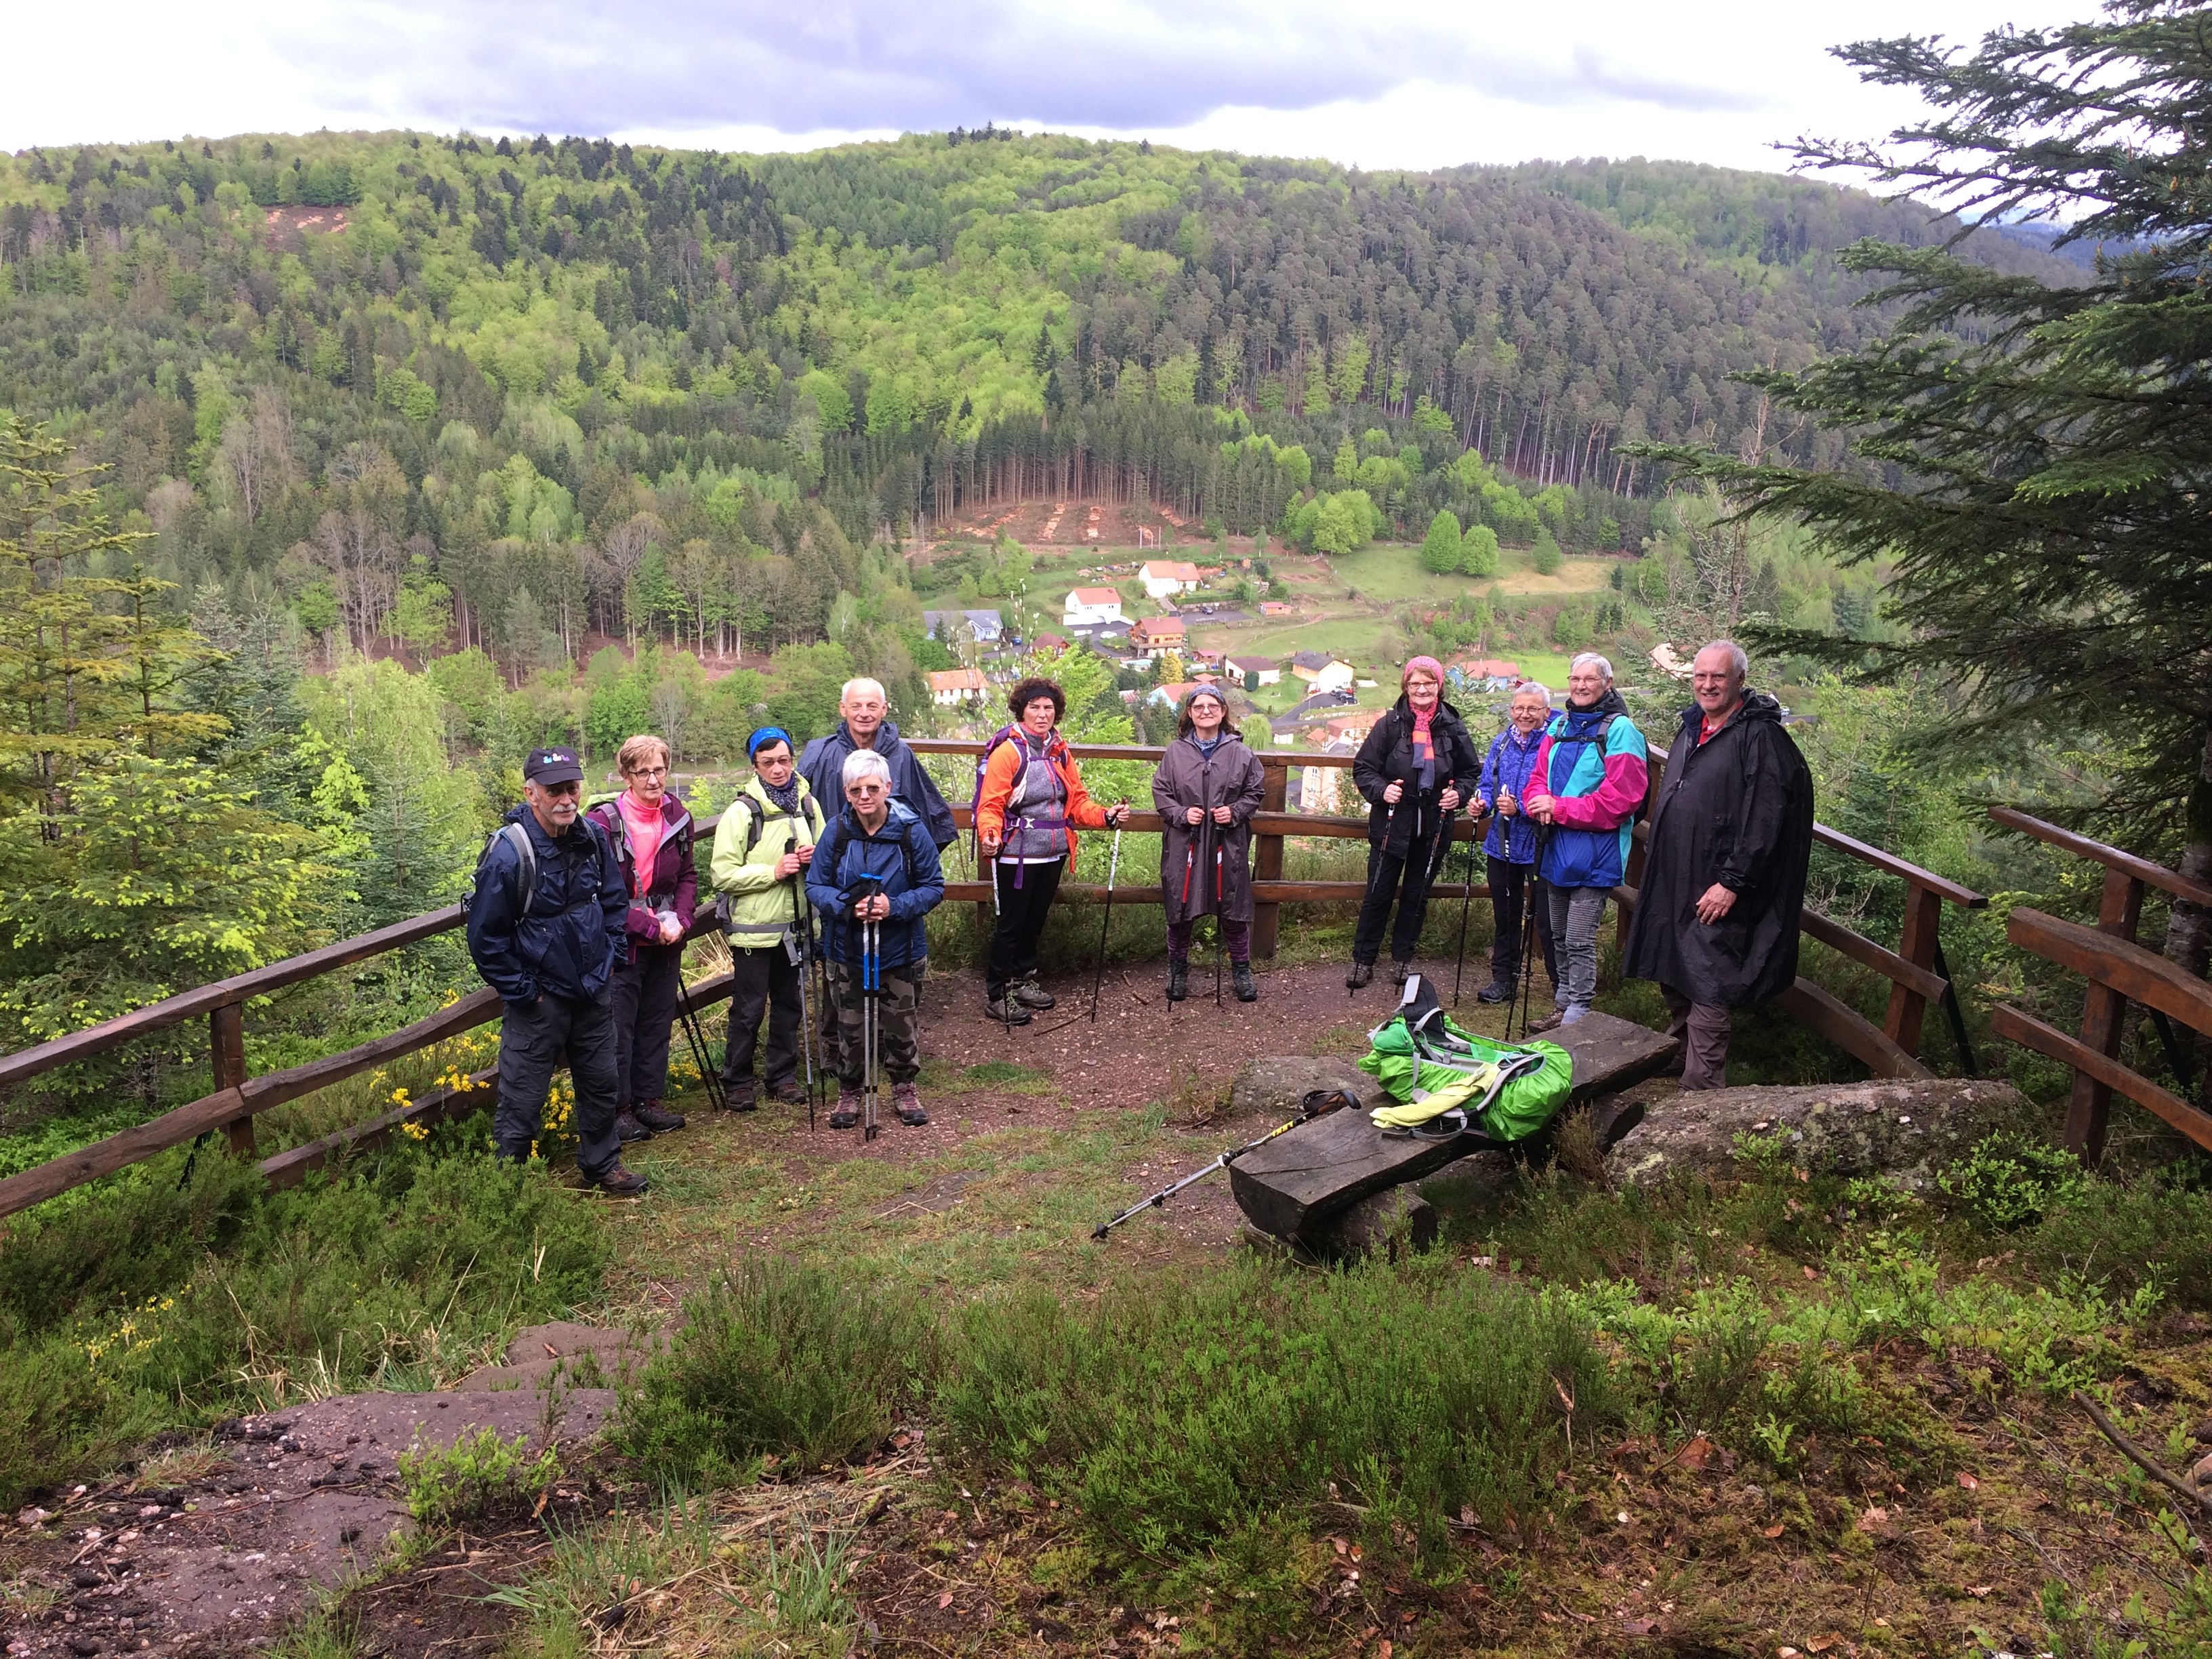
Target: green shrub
[
  {"x": 2150, "y": 1237},
  {"x": 776, "y": 1359},
  {"x": 479, "y": 1478},
  {"x": 2006, "y": 1182},
  {"x": 1176, "y": 1415},
  {"x": 142, "y": 1305}
]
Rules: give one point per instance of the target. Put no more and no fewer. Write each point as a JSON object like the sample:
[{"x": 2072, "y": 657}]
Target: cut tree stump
[{"x": 1291, "y": 1185}]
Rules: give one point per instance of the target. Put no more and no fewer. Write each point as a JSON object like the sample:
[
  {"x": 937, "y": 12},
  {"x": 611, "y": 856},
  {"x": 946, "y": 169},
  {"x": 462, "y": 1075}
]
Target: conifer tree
[{"x": 2042, "y": 454}]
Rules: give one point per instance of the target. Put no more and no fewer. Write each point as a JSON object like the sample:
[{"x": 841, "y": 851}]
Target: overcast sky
[{"x": 1385, "y": 83}]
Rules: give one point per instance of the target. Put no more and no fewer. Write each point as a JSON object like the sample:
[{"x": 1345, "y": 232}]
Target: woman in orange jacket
[{"x": 1027, "y": 810}]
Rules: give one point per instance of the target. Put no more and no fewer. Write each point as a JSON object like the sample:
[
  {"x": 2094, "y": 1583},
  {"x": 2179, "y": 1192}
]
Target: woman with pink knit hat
[{"x": 1417, "y": 767}]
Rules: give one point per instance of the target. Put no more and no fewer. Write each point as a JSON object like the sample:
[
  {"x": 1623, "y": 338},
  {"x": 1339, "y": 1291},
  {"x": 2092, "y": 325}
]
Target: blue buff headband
[{"x": 765, "y": 736}]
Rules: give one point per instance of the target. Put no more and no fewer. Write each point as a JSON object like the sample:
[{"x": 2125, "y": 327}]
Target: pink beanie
[{"x": 1428, "y": 665}]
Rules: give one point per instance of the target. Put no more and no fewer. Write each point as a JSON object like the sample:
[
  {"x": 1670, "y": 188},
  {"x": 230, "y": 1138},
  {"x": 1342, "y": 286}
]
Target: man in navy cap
[{"x": 545, "y": 928}]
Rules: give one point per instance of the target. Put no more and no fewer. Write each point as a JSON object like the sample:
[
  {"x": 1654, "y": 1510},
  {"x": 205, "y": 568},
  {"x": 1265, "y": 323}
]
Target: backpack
[
  {"x": 1004, "y": 735},
  {"x": 757, "y": 820},
  {"x": 526, "y": 875}
]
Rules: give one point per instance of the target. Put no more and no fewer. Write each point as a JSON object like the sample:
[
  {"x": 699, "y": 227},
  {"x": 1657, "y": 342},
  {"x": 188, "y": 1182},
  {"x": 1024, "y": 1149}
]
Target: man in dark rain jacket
[
  {"x": 545, "y": 924},
  {"x": 1716, "y": 921},
  {"x": 862, "y": 708}
]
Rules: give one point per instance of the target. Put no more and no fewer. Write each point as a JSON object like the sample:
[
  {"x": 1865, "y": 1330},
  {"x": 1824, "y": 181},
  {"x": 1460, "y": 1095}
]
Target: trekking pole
[
  {"x": 1219, "y": 950},
  {"x": 1315, "y": 1104},
  {"x": 1465, "y": 900},
  {"x": 710, "y": 1078},
  {"x": 1528, "y": 939},
  {"x": 1099, "y": 977},
  {"x": 1375, "y": 857},
  {"x": 804, "y": 926},
  {"x": 871, "y": 972}
]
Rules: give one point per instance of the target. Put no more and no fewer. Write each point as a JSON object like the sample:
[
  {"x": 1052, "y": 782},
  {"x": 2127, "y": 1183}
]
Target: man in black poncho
[{"x": 1717, "y": 915}]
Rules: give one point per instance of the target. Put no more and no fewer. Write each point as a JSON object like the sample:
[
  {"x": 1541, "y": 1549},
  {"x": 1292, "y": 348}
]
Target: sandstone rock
[
  {"x": 1899, "y": 1127},
  {"x": 1395, "y": 1222},
  {"x": 1271, "y": 1085}
]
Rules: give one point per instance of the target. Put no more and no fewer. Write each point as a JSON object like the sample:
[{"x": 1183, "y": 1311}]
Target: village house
[
  {"x": 1090, "y": 607},
  {"x": 1158, "y": 635},
  {"x": 1275, "y": 608},
  {"x": 1050, "y": 644},
  {"x": 1345, "y": 728},
  {"x": 951, "y": 687},
  {"x": 1483, "y": 674},
  {"x": 984, "y": 627},
  {"x": 1251, "y": 672},
  {"x": 1323, "y": 788},
  {"x": 1165, "y": 578},
  {"x": 1322, "y": 673}
]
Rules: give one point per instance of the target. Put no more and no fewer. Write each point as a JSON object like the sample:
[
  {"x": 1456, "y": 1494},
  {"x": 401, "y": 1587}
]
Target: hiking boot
[
  {"x": 1549, "y": 1021},
  {"x": 1006, "y": 1011},
  {"x": 738, "y": 1095},
  {"x": 1240, "y": 975},
  {"x": 846, "y": 1113},
  {"x": 1499, "y": 990},
  {"x": 659, "y": 1119},
  {"x": 789, "y": 1093},
  {"x": 908, "y": 1105},
  {"x": 628, "y": 1128},
  {"x": 1178, "y": 980},
  {"x": 1363, "y": 973},
  {"x": 1030, "y": 994},
  {"x": 1399, "y": 970},
  {"x": 618, "y": 1182}
]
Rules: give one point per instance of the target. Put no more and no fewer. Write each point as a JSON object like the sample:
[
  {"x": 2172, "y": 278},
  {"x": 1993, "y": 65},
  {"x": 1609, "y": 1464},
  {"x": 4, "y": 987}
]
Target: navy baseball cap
[{"x": 552, "y": 765}]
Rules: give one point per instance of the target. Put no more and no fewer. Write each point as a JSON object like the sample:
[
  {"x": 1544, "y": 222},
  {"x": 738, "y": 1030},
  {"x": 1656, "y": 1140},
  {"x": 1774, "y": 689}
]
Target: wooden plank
[
  {"x": 2142, "y": 870},
  {"x": 1148, "y": 892},
  {"x": 104, "y": 1157},
  {"x": 227, "y": 1051},
  {"x": 2103, "y": 1016},
  {"x": 1267, "y": 859},
  {"x": 1268, "y": 822},
  {"x": 1863, "y": 950},
  {"x": 1848, "y": 1030},
  {"x": 1908, "y": 1007},
  {"x": 2016, "y": 1026},
  {"x": 291, "y": 1166},
  {"x": 2138, "y": 974},
  {"x": 1331, "y": 1164},
  {"x": 1943, "y": 886}
]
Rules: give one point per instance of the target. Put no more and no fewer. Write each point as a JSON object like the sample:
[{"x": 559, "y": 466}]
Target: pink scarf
[{"x": 643, "y": 826}]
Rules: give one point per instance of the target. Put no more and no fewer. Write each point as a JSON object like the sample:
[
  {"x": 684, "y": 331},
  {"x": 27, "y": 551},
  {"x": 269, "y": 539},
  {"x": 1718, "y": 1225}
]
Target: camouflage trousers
[{"x": 898, "y": 1024}]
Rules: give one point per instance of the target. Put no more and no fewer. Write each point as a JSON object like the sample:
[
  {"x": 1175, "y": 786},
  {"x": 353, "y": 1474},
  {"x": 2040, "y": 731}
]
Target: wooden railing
[
  {"x": 2119, "y": 971},
  {"x": 236, "y": 1098}
]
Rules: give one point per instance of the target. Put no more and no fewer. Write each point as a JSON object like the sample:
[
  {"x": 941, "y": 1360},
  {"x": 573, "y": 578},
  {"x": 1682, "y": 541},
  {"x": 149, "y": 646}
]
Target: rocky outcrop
[
  {"x": 1902, "y": 1128},
  {"x": 1273, "y": 1085}
]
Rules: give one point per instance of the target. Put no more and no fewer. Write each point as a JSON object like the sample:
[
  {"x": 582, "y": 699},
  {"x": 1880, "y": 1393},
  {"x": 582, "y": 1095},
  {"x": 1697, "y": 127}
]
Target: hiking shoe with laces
[
  {"x": 1178, "y": 980},
  {"x": 657, "y": 1118},
  {"x": 1240, "y": 975},
  {"x": 908, "y": 1104},
  {"x": 1007, "y": 1011},
  {"x": 738, "y": 1094},
  {"x": 628, "y": 1128},
  {"x": 1363, "y": 973},
  {"x": 790, "y": 1093},
  {"x": 618, "y": 1182},
  {"x": 846, "y": 1113},
  {"x": 1399, "y": 970},
  {"x": 1499, "y": 990},
  {"x": 1030, "y": 994}
]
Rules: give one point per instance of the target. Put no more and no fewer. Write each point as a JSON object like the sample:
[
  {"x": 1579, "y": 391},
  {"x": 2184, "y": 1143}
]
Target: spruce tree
[{"x": 2039, "y": 456}]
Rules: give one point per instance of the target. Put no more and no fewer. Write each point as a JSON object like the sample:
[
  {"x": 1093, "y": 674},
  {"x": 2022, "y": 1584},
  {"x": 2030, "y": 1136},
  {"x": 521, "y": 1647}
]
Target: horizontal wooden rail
[
  {"x": 1864, "y": 951},
  {"x": 2121, "y": 965},
  {"x": 2015, "y": 1026},
  {"x": 2138, "y": 869},
  {"x": 1263, "y": 892}
]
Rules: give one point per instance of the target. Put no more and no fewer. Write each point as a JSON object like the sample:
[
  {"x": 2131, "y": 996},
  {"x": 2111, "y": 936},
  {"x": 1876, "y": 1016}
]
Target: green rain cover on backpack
[{"x": 1419, "y": 1052}]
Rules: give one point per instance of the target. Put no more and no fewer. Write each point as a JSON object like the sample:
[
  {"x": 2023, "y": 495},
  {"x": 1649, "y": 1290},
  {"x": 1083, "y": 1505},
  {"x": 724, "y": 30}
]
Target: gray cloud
[{"x": 570, "y": 66}]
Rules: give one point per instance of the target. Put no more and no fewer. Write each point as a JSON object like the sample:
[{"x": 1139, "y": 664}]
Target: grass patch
[
  {"x": 148, "y": 1304},
  {"x": 479, "y": 1478}
]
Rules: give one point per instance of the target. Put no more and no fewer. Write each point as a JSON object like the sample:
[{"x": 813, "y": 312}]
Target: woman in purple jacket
[
  {"x": 651, "y": 830},
  {"x": 1510, "y": 847}
]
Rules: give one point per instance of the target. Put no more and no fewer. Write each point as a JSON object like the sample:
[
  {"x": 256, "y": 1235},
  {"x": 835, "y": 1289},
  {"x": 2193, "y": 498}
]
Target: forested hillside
[{"x": 538, "y": 343}]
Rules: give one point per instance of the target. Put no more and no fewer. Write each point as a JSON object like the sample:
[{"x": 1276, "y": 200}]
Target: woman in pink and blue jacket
[{"x": 1585, "y": 788}]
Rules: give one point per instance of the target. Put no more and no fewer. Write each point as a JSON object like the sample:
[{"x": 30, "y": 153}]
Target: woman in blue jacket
[
  {"x": 876, "y": 863},
  {"x": 1510, "y": 847}
]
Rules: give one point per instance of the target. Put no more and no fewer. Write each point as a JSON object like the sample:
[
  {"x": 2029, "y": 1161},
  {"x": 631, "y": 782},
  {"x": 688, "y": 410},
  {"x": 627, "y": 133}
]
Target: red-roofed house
[
  {"x": 1158, "y": 635},
  {"x": 1164, "y": 578},
  {"x": 952, "y": 686}
]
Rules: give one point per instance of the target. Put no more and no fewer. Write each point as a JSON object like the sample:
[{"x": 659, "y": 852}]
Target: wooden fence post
[
  {"x": 227, "y": 1047},
  {"x": 1268, "y": 858},
  {"x": 1923, "y": 915},
  {"x": 2104, "y": 1012}
]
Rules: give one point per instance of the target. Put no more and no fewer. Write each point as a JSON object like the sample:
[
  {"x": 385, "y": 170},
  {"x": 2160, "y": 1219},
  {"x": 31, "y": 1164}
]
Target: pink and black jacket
[{"x": 673, "y": 889}]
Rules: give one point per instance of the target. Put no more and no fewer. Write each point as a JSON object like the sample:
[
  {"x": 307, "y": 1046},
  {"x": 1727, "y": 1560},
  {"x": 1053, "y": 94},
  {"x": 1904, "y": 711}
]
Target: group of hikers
[{"x": 831, "y": 857}]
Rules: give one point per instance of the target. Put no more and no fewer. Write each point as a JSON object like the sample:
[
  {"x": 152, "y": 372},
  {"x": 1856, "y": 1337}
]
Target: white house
[
  {"x": 1090, "y": 607},
  {"x": 1252, "y": 671},
  {"x": 1322, "y": 673},
  {"x": 984, "y": 627},
  {"x": 1165, "y": 578},
  {"x": 951, "y": 687}
]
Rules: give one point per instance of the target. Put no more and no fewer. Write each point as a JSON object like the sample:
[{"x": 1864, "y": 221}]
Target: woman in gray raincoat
[{"x": 1207, "y": 788}]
